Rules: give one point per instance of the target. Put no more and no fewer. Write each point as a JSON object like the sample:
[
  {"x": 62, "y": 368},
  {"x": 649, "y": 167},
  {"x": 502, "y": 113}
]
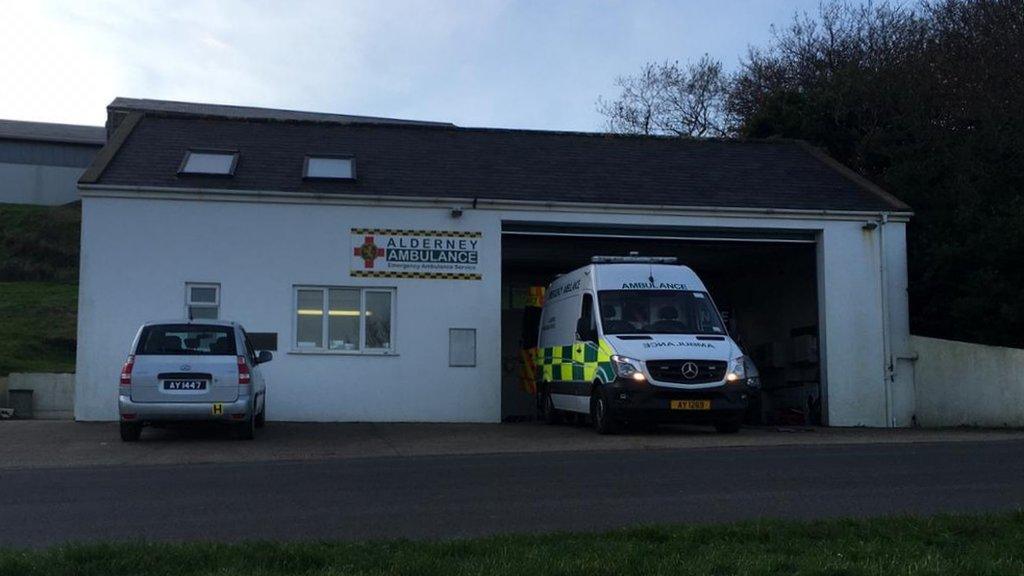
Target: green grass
[
  {"x": 37, "y": 330},
  {"x": 39, "y": 243},
  {"x": 983, "y": 545},
  {"x": 38, "y": 287}
]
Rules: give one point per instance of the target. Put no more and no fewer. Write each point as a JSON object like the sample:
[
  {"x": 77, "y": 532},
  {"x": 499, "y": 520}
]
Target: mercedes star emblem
[{"x": 690, "y": 370}]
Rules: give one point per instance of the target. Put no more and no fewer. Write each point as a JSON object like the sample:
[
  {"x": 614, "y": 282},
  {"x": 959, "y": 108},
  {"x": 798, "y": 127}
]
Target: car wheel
[
  {"x": 599, "y": 415},
  {"x": 548, "y": 412},
  {"x": 728, "y": 425},
  {"x": 261, "y": 418},
  {"x": 130, "y": 432},
  {"x": 247, "y": 430}
]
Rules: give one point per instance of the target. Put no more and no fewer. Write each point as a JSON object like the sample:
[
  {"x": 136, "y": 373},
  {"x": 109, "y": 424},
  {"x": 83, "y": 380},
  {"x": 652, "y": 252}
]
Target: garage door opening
[{"x": 765, "y": 287}]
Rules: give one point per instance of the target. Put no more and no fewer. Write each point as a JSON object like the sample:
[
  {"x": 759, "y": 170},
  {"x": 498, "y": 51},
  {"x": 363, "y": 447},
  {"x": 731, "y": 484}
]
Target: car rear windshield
[{"x": 187, "y": 339}]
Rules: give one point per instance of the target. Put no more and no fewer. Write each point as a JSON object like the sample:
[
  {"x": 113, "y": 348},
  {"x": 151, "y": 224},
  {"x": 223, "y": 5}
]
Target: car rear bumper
[
  {"x": 654, "y": 403},
  {"x": 145, "y": 412}
]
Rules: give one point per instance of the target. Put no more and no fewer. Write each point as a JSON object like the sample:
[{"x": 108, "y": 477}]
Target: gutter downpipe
[{"x": 887, "y": 365}]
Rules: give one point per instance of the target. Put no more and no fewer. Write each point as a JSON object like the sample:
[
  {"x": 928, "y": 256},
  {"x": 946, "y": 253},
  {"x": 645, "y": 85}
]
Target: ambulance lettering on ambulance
[
  {"x": 629, "y": 339},
  {"x": 652, "y": 286}
]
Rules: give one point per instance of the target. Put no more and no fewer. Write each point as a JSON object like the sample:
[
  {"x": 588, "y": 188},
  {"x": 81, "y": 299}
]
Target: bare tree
[{"x": 669, "y": 99}]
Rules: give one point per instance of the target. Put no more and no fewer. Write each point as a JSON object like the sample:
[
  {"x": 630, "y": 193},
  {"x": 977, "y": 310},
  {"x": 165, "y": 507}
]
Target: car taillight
[
  {"x": 243, "y": 371},
  {"x": 126, "y": 371}
]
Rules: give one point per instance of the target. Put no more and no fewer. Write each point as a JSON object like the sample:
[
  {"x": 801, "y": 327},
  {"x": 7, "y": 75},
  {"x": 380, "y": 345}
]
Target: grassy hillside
[
  {"x": 39, "y": 243},
  {"x": 37, "y": 333},
  {"x": 38, "y": 287}
]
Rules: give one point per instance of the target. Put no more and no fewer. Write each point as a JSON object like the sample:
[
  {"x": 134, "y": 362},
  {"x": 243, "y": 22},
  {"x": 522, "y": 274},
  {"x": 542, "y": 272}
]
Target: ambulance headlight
[
  {"x": 628, "y": 368},
  {"x": 737, "y": 370},
  {"x": 743, "y": 369}
]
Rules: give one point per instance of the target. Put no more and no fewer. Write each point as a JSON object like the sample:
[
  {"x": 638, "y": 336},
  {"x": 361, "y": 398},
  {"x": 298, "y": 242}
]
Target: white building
[
  {"x": 318, "y": 228},
  {"x": 40, "y": 163}
]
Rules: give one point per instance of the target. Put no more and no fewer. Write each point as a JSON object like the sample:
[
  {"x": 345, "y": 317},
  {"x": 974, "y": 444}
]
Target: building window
[
  {"x": 337, "y": 319},
  {"x": 330, "y": 167},
  {"x": 209, "y": 162},
  {"x": 202, "y": 301}
]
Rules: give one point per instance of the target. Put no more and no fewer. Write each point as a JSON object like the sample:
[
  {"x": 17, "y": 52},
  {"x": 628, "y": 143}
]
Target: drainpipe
[{"x": 887, "y": 367}]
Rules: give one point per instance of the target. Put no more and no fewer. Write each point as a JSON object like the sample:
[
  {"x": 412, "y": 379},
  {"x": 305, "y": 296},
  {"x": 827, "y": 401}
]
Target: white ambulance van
[{"x": 629, "y": 339}]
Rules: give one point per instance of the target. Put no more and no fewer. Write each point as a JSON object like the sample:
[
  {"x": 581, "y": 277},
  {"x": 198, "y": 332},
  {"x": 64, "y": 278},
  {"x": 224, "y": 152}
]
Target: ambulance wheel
[
  {"x": 728, "y": 425},
  {"x": 548, "y": 413},
  {"x": 603, "y": 421}
]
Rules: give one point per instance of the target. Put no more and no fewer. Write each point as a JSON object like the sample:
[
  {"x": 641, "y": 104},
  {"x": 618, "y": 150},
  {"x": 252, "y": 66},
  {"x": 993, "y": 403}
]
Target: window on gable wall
[{"x": 202, "y": 301}]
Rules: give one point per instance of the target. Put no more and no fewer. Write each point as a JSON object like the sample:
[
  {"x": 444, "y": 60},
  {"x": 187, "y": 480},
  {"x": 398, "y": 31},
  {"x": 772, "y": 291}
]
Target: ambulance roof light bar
[{"x": 633, "y": 259}]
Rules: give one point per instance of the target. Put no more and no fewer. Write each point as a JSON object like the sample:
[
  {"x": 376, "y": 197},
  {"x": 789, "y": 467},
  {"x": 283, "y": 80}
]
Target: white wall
[
  {"x": 137, "y": 254},
  {"x": 901, "y": 356},
  {"x": 38, "y": 184},
  {"x": 961, "y": 384}
]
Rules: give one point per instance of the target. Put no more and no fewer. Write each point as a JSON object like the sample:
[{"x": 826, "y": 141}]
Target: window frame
[
  {"x": 352, "y": 164},
  {"x": 325, "y": 325},
  {"x": 222, "y": 152},
  {"x": 189, "y": 304}
]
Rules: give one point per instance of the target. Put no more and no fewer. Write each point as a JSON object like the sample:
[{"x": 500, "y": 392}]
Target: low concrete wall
[
  {"x": 961, "y": 384},
  {"x": 53, "y": 395}
]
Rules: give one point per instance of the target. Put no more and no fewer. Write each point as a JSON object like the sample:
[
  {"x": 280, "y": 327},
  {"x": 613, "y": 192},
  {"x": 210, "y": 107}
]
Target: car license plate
[
  {"x": 184, "y": 384},
  {"x": 691, "y": 404}
]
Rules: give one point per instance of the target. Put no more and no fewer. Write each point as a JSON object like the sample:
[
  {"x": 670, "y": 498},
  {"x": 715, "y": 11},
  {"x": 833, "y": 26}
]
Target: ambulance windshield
[{"x": 658, "y": 312}]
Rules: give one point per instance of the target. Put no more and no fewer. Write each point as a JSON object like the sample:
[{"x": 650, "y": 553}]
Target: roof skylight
[
  {"x": 209, "y": 162},
  {"x": 330, "y": 167}
]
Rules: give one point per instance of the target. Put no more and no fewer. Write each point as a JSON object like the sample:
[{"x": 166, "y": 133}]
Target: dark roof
[
  {"x": 451, "y": 162},
  {"x": 251, "y": 113},
  {"x": 47, "y": 132}
]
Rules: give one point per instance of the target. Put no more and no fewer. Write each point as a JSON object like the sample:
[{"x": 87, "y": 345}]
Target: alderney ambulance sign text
[{"x": 433, "y": 254}]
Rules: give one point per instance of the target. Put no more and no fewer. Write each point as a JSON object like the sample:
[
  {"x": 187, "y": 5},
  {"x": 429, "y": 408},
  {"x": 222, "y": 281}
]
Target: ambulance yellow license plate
[{"x": 691, "y": 404}]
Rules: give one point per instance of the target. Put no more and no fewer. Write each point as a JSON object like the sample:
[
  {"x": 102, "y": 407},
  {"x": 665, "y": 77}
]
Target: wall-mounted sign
[{"x": 434, "y": 254}]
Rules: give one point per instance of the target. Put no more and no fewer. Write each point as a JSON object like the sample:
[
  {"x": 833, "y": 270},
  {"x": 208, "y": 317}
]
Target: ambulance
[{"x": 638, "y": 340}]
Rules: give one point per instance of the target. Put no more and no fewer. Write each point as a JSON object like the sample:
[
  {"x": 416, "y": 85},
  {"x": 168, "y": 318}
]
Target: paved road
[
  {"x": 68, "y": 444},
  {"x": 467, "y": 495}
]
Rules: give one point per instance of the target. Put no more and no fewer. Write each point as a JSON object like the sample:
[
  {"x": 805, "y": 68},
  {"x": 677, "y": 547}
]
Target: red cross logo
[{"x": 368, "y": 252}]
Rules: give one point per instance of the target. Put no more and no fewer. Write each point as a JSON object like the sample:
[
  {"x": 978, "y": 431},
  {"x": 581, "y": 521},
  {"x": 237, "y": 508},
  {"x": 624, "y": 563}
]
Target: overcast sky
[{"x": 537, "y": 64}]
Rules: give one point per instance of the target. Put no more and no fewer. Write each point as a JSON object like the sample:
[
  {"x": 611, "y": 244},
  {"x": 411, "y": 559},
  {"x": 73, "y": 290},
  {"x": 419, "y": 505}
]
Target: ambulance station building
[{"x": 389, "y": 264}]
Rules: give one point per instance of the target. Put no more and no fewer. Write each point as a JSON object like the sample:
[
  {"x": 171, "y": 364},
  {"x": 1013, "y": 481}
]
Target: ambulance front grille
[{"x": 672, "y": 371}]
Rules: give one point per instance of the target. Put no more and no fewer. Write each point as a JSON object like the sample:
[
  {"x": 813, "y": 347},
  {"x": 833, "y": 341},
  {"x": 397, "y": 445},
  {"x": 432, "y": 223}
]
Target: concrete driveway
[{"x": 42, "y": 444}]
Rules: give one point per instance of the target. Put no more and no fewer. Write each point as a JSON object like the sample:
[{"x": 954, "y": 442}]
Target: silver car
[{"x": 184, "y": 370}]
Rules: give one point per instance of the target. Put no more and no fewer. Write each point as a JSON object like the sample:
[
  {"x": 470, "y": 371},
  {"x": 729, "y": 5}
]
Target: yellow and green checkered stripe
[{"x": 581, "y": 362}]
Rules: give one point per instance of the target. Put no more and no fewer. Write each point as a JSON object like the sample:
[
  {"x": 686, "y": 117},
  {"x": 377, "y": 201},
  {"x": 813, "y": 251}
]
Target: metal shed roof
[{"x": 48, "y": 132}]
